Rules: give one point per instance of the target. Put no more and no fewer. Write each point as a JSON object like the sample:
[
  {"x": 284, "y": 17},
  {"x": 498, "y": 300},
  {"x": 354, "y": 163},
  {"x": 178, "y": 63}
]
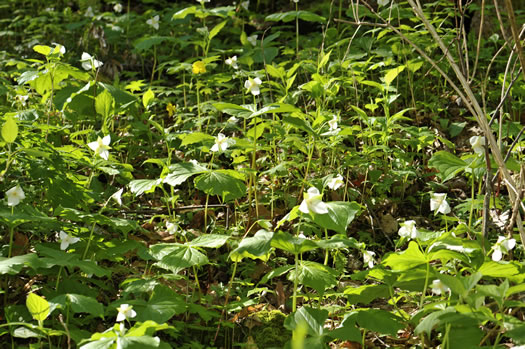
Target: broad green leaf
[
  {"x": 498, "y": 269},
  {"x": 314, "y": 275},
  {"x": 42, "y": 49},
  {"x": 105, "y": 104},
  {"x": 275, "y": 72},
  {"x": 392, "y": 74},
  {"x": 210, "y": 241},
  {"x": 216, "y": 29},
  {"x": 9, "y": 130},
  {"x": 406, "y": 260},
  {"x": 80, "y": 304},
  {"x": 366, "y": 293},
  {"x": 13, "y": 265},
  {"x": 276, "y": 272},
  {"x": 338, "y": 241},
  {"x": 259, "y": 128},
  {"x": 380, "y": 321},
  {"x": 176, "y": 257},
  {"x": 163, "y": 304},
  {"x": 447, "y": 164},
  {"x": 52, "y": 257},
  {"x": 147, "y": 98},
  {"x": 37, "y": 306},
  {"x": 256, "y": 247},
  {"x": 219, "y": 183},
  {"x": 100, "y": 343},
  {"x": 184, "y": 12},
  {"x": 276, "y": 108},
  {"x": 325, "y": 58},
  {"x": 292, "y": 244},
  {"x": 180, "y": 172},
  {"x": 313, "y": 318},
  {"x": 145, "y": 43},
  {"x": 291, "y": 15},
  {"x": 140, "y": 186},
  {"x": 299, "y": 123},
  {"x": 194, "y": 137},
  {"x": 431, "y": 321},
  {"x": 233, "y": 109},
  {"x": 148, "y": 327},
  {"x": 340, "y": 215}
]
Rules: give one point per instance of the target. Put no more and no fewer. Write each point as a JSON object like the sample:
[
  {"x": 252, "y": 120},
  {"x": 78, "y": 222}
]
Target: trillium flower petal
[{"x": 15, "y": 195}]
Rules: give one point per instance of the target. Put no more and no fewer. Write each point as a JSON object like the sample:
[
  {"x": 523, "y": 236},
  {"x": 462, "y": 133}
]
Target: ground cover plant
[{"x": 270, "y": 174}]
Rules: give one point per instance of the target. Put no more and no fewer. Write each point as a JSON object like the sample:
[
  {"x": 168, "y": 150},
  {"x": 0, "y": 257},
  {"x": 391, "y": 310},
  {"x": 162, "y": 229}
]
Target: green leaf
[
  {"x": 406, "y": 260},
  {"x": 233, "y": 109},
  {"x": 176, "y": 257},
  {"x": 447, "y": 164},
  {"x": 380, "y": 321},
  {"x": 314, "y": 275},
  {"x": 140, "y": 186},
  {"x": 184, "y": 12},
  {"x": 256, "y": 247},
  {"x": 80, "y": 304},
  {"x": 498, "y": 269},
  {"x": 105, "y": 104},
  {"x": 299, "y": 123},
  {"x": 428, "y": 323},
  {"x": 9, "y": 130},
  {"x": 210, "y": 241},
  {"x": 313, "y": 318},
  {"x": 147, "y": 98},
  {"x": 340, "y": 215},
  {"x": 42, "y": 49},
  {"x": 13, "y": 265},
  {"x": 338, "y": 241},
  {"x": 366, "y": 293},
  {"x": 163, "y": 304},
  {"x": 295, "y": 245},
  {"x": 220, "y": 183},
  {"x": 194, "y": 137},
  {"x": 392, "y": 74},
  {"x": 145, "y": 43},
  {"x": 217, "y": 29},
  {"x": 37, "y": 306},
  {"x": 291, "y": 15},
  {"x": 180, "y": 172}
]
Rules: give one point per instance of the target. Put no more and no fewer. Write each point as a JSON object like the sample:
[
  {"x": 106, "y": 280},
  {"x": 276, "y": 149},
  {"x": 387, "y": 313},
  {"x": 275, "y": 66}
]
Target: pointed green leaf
[
  {"x": 393, "y": 73},
  {"x": 380, "y": 321},
  {"x": 140, "y": 186},
  {"x": 366, "y": 293},
  {"x": 105, "y": 104},
  {"x": 37, "y": 306},
  {"x": 314, "y": 275},
  {"x": 179, "y": 173},
  {"x": 80, "y": 304},
  {"x": 194, "y": 137},
  {"x": 499, "y": 269},
  {"x": 220, "y": 183},
  {"x": 217, "y": 29},
  {"x": 406, "y": 260},
  {"x": 313, "y": 318},
  {"x": 9, "y": 130},
  {"x": 254, "y": 247},
  {"x": 210, "y": 241},
  {"x": 147, "y": 98},
  {"x": 340, "y": 215},
  {"x": 447, "y": 164},
  {"x": 295, "y": 245}
]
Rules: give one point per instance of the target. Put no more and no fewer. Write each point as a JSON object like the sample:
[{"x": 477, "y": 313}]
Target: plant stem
[{"x": 295, "y": 283}]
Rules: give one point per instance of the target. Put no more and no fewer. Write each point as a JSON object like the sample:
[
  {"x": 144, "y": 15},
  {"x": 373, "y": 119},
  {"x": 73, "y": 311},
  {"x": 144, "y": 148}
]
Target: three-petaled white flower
[
  {"x": 66, "y": 240},
  {"x": 101, "y": 146},
  {"x": 154, "y": 22},
  {"x": 222, "y": 143},
  {"x": 89, "y": 12},
  {"x": 438, "y": 203},
  {"x": 336, "y": 182},
  {"x": 312, "y": 202},
  {"x": 252, "y": 85},
  {"x": 408, "y": 229},
  {"x": 125, "y": 311},
  {"x": 252, "y": 39},
  {"x": 15, "y": 195},
  {"x": 89, "y": 62},
  {"x": 232, "y": 61},
  {"x": 117, "y": 196},
  {"x": 368, "y": 258},
  {"x": 383, "y": 2},
  {"x": 171, "y": 227},
  {"x": 118, "y": 7},
  {"x": 501, "y": 247},
  {"x": 438, "y": 287},
  {"x": 478, "y": 144},
  {"x": 333, "y": 124}
]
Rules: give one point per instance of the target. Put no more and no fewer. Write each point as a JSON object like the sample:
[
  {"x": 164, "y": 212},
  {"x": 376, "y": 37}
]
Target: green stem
[
  {"x": 254, "y": 162},
  {"x": 89, "y": 241},
  {"x": 425, "y": 287},
  {"x": 199, "y": 106},
  {"x": 326, "y": 252},
  {"x": 58, "y": 277},
  {"x": 295, "y": 284},
  {"x": 297, "y": 30},
  {"x": 197, "y": 280}
]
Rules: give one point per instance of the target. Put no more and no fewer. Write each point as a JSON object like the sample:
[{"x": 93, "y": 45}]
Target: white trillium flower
[
  {"x": 125, "y": 311},
  {"x": 478, "y": 144},
  {"x": 171, "y": 228},
  {"x": 222, "y": 143},
  {"x": 382, "y": 3},
  {"x": 89, "y": 62},
  {"x": 22, "y": 99},
  {"x": 252, "y": 85},
  {"x": 66, "y": 240},
  {"x": 336, "y": 182},
  {"x": 333, "y": 124},
  {"x": 439, "y": 203},
  {"x": 15, "y": 195},
  {"x": 252, "y": 39},
  {"x": 89, "y": 12},
  {"x": 502, "y": 247},
  {"x": 154, "y": 22},
  {"x": 117, "y": 196},
  {"x": 438, "y": 287},
  {"x": 232, "y": 61},
  {"x": 245, "y": 4},
  {"x": 368, "y": 258},
  {"x": 118, "y": 8},
  {"x": 408, "y": 229},
  {"x": 101, "y": 147},
  {"x": 312, "y": 202}
]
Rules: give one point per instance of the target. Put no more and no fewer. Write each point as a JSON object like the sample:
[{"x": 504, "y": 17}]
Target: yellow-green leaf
[
  {"x": 393, "y": 73},
  {"x": 9, "y": 130},
  {"x": 37, "y": 306},
  {"x": 147, "y": 98},
  {"x": 42, "y": 49}
]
